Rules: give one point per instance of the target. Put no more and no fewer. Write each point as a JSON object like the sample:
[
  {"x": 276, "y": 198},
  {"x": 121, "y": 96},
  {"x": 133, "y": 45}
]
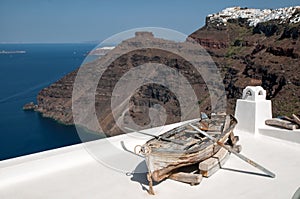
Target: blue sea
[{"x": 22, "y": 76}]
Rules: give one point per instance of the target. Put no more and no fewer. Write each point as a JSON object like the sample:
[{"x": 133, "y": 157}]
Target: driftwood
[
  {"x": 281, "y": 123},
  {"x": 286, "y": 118},
  {"x": 211, "y": 165},
  {"x": 190, "y": 178},
  {"x": 296, "y": 119}
]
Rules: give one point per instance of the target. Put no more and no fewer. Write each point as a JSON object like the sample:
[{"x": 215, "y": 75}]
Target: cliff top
[{"x": 255, "y": 16}]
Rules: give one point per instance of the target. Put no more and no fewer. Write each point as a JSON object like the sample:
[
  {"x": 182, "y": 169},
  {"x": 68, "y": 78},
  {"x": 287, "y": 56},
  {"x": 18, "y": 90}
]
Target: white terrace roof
[{"x": 71, "y": 172}]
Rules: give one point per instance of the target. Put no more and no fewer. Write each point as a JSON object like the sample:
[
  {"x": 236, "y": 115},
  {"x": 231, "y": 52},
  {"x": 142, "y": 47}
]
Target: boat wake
[{"x": 25, "y": 94}]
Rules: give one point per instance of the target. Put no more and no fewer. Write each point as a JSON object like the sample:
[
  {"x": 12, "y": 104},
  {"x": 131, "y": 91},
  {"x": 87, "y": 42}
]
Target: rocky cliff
[
  {"x": 55, "y": 101},
  {"x": 257, "y": 47},
  {"x": 249, "y": 46}
]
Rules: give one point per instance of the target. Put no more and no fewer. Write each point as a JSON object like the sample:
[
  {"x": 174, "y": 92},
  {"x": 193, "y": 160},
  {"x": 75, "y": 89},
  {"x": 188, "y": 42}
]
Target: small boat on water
[{"x": 183, "y": 146}]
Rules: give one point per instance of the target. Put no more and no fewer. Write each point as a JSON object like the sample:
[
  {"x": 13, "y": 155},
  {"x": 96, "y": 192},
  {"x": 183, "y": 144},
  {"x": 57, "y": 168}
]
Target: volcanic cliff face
[
  {"x": 249, "y": 46},
  {"x": 257, "y": 47},
  {"x": 56, "y": 100}
]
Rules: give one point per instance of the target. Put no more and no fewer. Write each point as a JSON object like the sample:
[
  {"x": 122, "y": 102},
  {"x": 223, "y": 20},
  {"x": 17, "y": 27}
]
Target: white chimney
[{"x": 252, "y": 110}]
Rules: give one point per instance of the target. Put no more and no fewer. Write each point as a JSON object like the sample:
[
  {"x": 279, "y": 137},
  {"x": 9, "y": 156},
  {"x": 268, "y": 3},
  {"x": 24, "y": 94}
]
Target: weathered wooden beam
[
  {"x": 203, "y": 125},
  {"x": 227, "y": 122},
  {"x": 190, "y": 131},
  {"x": 211, "y": 165},
  {"x": 287, "y": 118},
  {"x": 296, "y": 119},
  {"x": 213, "y": 132},
  {"x": 190, "y": 178},
  {"x": 281, "y": 123}
]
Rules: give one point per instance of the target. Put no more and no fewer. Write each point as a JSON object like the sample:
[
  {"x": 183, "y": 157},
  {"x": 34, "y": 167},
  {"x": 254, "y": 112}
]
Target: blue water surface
[{"x": 22, "y": 76}]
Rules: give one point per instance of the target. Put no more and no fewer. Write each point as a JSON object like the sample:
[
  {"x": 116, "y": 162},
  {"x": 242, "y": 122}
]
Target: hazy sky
[{"x": 87, "y": 20}]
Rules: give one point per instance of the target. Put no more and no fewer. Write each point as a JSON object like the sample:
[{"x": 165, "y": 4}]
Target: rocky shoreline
[{"x": 30, "y": 106}]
